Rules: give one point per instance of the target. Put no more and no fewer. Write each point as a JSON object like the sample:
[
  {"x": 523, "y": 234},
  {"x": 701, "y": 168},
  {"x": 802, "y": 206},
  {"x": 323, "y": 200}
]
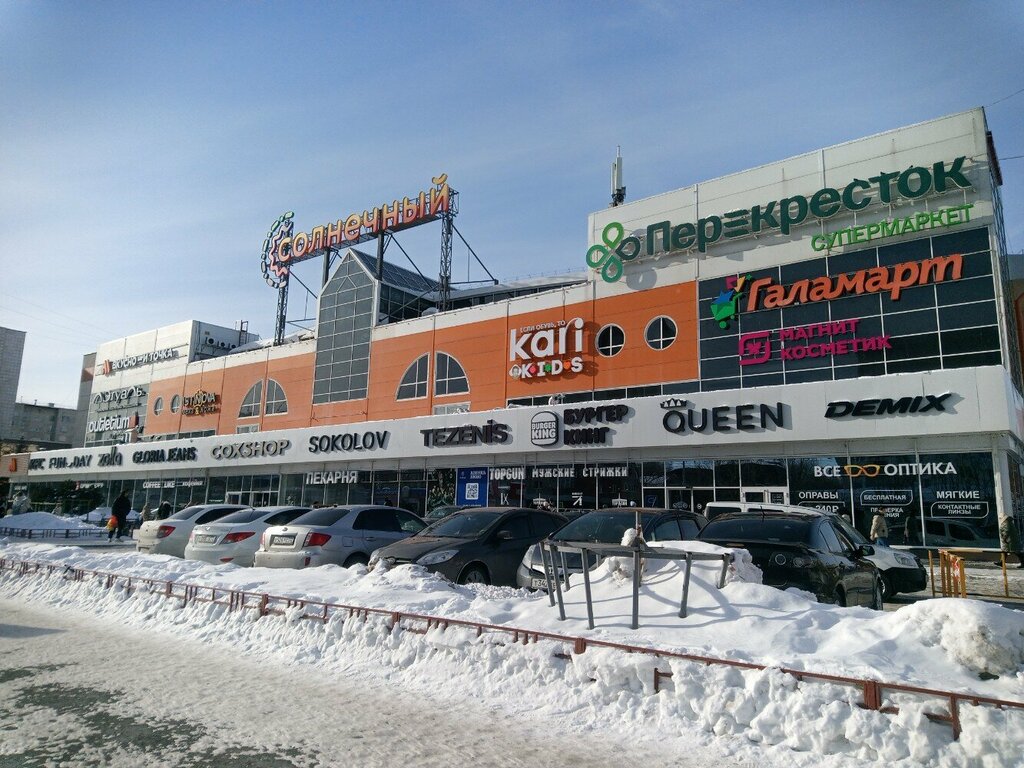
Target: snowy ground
[{"x": 963, "y": 645}]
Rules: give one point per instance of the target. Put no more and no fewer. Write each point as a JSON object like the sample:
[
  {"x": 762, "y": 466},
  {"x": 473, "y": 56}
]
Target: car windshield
[
  {"x": 186, "y": 514},
  {"x": 757, "y": 528},
  {"x": 325, "y": 516},
  {"x": 851, "y": 533},
  {"x": 601, "y": 527},
  {"x": 464, "y": 525}
]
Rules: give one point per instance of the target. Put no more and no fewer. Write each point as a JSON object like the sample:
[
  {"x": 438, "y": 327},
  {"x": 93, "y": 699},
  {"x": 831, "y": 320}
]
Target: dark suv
[
  {"x": 803, "y": 549},
  {"x": 606, "y": 526}
]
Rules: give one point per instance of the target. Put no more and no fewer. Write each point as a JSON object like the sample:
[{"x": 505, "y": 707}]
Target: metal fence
[
  {"x": 876, "y": 695},
  {"x": 53, "y": 533}
]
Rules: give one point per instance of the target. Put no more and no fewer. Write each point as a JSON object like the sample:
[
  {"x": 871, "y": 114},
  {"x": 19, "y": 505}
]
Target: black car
[
  {"x": 806, "y": 550},
  {"x": 606, "y": 526},
  {"x": 441, "y": 512},
  {"x": 481, "y": 545}
]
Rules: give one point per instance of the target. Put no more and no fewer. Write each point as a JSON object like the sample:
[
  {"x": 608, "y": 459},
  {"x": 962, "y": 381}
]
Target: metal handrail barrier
[
  {"x": 638, "y": 551},
  {"x": 872, "y": 691},
  {"x": 958, "y": 557},
  {"x": 953, "y": 574},
  {"x": 53, "y": 533}
]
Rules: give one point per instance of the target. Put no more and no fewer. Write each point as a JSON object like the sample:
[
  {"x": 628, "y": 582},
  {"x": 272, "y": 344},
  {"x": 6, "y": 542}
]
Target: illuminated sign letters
[
  {"x": 546, "y": 350},
  {"x": 491, "y": 433},
  {"x": 254, "y": 449}
]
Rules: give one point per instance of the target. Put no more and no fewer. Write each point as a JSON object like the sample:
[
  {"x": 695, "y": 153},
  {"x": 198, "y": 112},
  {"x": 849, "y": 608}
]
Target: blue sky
[{"x": 145, "y": 148}]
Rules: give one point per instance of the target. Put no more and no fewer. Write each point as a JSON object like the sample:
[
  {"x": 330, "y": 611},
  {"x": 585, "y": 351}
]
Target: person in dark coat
[
  {"x": 122, "y": 506},
  {"x": 164, "y": 510}
]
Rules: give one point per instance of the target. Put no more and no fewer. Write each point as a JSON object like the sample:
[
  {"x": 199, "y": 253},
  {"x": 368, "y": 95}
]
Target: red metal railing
[{"x": 872, "y": 691}]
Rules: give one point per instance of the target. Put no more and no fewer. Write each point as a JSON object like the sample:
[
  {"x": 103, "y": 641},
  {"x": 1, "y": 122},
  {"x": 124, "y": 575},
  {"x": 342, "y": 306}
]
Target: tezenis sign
[{"x": 782, "y": 215}]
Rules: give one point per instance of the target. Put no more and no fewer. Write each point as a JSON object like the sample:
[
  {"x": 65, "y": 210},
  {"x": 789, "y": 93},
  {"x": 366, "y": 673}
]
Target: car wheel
[
  {"x": 877, "y": 598},
  {"x": 357, "y": 559},
  {"x": 887, "y": 590},
  {"x": 474, "y": 575},
  {"x": 839, "y": 598}
]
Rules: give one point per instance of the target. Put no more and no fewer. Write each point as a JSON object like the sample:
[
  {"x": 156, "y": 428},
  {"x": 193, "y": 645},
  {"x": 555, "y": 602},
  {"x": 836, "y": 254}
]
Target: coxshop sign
[
  {"x": 281, "y": 249},
  {"x": 113, "y": 366},
  {"x": 347, "y": 442},
  {"x": 664, "y": 237},
  {"x": 886, "y": 406},
  {"x": 765, "y": 293},
  {"x": 681, "y": 418},
  {"x": 546, "y": 350},
  {"x": 253, "y": 449}
]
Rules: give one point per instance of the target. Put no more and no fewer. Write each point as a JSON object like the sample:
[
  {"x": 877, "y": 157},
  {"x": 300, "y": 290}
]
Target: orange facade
[{"x": 482, "y": 348}]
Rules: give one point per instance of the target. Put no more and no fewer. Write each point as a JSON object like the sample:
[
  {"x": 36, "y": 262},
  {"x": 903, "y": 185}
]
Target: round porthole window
[
  {"x": 158, "y": 406},
  {"x": 610, "y": 340},
  {"x": 175, "y": 403},
  {"x": 660, "y": 333}
]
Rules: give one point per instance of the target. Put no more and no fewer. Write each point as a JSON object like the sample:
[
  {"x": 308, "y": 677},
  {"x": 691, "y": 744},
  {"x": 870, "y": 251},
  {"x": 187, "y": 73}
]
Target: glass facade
[
  {"x": 950, "y": 324},
  {"x": 343, "y": 335}
]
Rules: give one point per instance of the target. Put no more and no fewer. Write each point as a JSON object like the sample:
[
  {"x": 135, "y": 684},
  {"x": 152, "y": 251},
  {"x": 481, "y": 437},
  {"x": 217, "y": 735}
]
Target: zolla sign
[{"x": 663, "y": 237}]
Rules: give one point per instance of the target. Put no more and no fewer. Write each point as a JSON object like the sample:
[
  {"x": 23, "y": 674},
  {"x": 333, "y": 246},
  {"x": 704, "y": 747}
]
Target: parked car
[
  {"x": 483, "y": 545},
  {"x": 236, "y": 537},
  {"x": 169, "y": 537},
  {"x": 441, "y": 512},
  {"x": 343, "y": 535},
  {"x": 957, "y": 533},
  {"x": 100, "y": 515},
  {"x": 606, "y": 526},
  {"x": 802, "y": 548},
  {"x": 901, "y": 571}
]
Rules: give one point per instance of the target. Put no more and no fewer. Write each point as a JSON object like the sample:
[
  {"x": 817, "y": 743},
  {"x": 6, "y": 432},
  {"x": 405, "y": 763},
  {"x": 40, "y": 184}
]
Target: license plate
[
  {"x": 539, "y": 583},
  {"x": 282, "y": 541},
  {"x": 206, "y": 539}
]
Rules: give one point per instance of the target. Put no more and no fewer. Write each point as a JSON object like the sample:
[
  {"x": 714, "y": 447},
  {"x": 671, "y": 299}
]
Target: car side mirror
[
  {"x": 866, "y": 550},
  {"x": 503, "y": 535}
]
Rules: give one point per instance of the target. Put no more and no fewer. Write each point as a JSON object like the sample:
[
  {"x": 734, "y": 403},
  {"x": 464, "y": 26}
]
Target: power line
[{"x": 1005, "y": 98}]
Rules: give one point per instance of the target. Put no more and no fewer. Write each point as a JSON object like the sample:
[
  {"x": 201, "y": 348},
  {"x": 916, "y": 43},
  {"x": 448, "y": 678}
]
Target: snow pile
[
  {"x": 938, "y": 643},
  {"x": 43, "y": 520}
]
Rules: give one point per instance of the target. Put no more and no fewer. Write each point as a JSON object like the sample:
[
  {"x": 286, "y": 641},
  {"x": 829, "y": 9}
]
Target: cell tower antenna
[{"x": 618, "y": 190}]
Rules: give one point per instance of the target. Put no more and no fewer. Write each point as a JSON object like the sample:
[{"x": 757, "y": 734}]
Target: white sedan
[
  {"x": 169, "y": 537},
  {"x": 235, "y": 538}
]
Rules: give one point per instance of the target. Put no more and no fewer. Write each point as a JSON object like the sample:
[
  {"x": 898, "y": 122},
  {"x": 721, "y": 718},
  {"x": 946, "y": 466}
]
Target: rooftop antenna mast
[{"x": 618, "y": 190}]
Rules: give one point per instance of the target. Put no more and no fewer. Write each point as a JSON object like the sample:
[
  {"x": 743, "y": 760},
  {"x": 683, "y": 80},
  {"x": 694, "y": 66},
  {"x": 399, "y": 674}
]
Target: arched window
[
  {"x": 158, "y": 406},
  {"x": 414, "y": 382},
  {"x": 276, "y": 400},
  {"x": 449, "y": 377},
  {"x": 175, "y": 403},
  {"x": 251, "y": 403}
]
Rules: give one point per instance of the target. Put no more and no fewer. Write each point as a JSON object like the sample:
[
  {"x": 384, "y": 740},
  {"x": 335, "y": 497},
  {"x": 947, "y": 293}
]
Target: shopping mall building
[{"x": 835, "y": 330}]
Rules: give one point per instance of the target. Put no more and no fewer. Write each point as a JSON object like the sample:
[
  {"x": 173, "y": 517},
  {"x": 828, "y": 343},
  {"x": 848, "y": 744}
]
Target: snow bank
[
  {"x": 43, "y": 520},
  {"x": 940, "y": 643}
]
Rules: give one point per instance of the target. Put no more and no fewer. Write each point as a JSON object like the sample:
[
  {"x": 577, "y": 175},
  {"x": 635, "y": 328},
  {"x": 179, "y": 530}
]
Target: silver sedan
[
  {"x": 235, "y": 538},
  {"x": 341, "y": 535},
  {"x": 169, "y": 537}
]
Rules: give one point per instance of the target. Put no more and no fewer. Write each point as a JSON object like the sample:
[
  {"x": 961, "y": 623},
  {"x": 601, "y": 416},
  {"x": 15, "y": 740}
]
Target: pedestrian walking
[
  {"x": 147, "y": 514},
  {"x": 879, "y": 529},
  {"x": 122, "y": 506},
  {"x": 164, "y": 510}
]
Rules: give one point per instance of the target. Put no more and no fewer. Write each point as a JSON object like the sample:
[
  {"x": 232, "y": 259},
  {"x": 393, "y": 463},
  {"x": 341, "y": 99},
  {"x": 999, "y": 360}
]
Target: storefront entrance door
[{"x": 769, "y": 495}]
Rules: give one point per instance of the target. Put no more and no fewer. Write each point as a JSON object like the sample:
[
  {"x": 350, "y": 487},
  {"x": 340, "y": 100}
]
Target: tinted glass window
[
  {"x": 186, "y": 514},
  {"x": 518, "y": 526},
  {"x": 666, "y": 530},
  {"x": 545, "y": 524},
  {"x": 376, "y": 520},
  {"x": 604, "y": 527},
  {"x": 283, "y": 518},
  {"x": 325, "y": 516},
  {"x": 245, "y": 516},
  {"x": 211, "y": 515},
  {"x": 829, "y": 538},
  {"x": 463, "y": 525},
  {"x": 409, "y": 523},
  {"x": 758, "y": 529},
  {"x": 690, "y": 529}
]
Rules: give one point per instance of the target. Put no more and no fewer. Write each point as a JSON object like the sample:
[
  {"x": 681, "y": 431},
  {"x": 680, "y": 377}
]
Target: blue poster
[{"x": 471, "y": 486}]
